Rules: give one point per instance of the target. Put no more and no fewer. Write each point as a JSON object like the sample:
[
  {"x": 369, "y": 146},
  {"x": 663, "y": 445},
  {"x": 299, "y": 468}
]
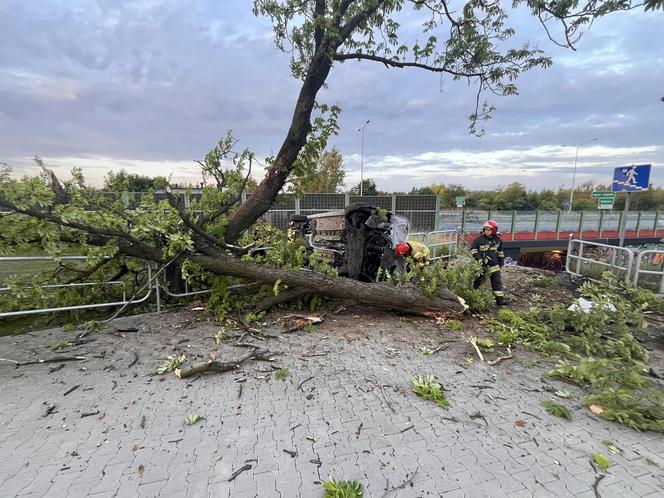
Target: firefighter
[
  {"x": 418, "y": 251},
  {"x": 488, "y": 249}
]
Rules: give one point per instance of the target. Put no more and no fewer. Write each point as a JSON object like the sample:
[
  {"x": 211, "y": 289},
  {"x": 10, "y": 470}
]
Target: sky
[{"x": 151, "y": 86}]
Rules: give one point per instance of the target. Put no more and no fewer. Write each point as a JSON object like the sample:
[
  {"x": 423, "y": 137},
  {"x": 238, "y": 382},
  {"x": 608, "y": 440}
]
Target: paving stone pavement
[{"x": 345, "y": 410}]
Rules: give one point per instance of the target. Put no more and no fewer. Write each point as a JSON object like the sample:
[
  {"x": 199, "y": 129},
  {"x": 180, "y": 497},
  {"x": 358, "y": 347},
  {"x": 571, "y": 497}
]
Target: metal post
[
  {"x": 623, "y": 220},
  {"x": 558, "y": 224},
  {"x": 346, "y": 199},
  {"x": 654, "y": 225},
  {"x": 243, "y": 197},
  {"x": 578, "y": 261},
  {"x": 156, "y": 288},
  {"x": 638, "y": 223},
  {"x": 601, "y": 222},
  {"x": 536, "y": 227},
  {"x": 581, "y": 224},
  {"x": 436, "y": 222},
  {"x": 571, "y": 194},
  {"x": 513, "y": 225},
  {"x": 463, "y": 218},
  {"x": 361, "y": 130},
  {"x": 297, "y": 205},
  {"x": 394, "y": 203}
]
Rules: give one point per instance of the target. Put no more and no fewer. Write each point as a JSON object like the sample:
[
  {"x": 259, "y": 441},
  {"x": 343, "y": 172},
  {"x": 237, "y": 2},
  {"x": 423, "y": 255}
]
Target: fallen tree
[{"x": 215, "y": 234}]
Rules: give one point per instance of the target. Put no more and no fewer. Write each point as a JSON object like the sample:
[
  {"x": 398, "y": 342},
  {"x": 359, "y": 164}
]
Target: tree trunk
[
  {"x": 266, "y": 192},
  {"x": 404, "y": 298}
]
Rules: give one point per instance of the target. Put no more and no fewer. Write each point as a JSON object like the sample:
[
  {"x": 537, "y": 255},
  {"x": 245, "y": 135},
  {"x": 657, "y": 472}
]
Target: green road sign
[
  {"x": 604, "y": 195},
  {"x": 460, "y": 201},
  {"x": 605, "y": 202}
]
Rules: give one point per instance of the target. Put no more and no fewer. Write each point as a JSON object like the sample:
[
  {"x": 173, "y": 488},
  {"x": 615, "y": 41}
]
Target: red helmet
[
  {"x": 402, "y": 249},
  {"x": 492, "y": 225}
]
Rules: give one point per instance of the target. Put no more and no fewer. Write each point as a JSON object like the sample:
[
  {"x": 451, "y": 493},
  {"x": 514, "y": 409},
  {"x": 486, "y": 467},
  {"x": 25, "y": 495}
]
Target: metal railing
[
  {"x": 548, "y": 225},
  {"x": 654, "y": 259},
  {"x": 591, "y": 259},
  {"x": 34, "y": 311},
  {"x": 441, "y": 243}
]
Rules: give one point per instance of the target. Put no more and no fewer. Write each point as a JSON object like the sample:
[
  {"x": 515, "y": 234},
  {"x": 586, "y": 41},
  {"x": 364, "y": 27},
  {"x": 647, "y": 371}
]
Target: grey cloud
[{"x": 164, "y": 80}]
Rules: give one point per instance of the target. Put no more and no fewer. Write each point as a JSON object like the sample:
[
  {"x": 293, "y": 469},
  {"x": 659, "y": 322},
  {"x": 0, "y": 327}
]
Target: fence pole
[
  {"x": 578, "y": 261},
  {"x": 558, "y": 225},
  {"x": 436, "y": 222},
  {"x": 601, "y": 222},
  {"x": 297, "y": 205},
  {"x": 157, "y": 292},
  {"x": 581, "y": 224},
  {"x": 638, "y": 223},
  {"x": 620, "y": 223},
  {"x": 243, "y": 197},
  {"x": 346, "y": 199},
  {"x": 463, "y": 218},
  {"x": 513, "y": 224},
  {"x": 394, "y": 203},
  {"x": 536, "y": 222},
  {"x": 654, "y": 224}
]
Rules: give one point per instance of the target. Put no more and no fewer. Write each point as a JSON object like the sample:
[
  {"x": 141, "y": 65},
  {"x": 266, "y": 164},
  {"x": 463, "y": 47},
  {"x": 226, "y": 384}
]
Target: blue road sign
[{"x": 631, "y": 178}]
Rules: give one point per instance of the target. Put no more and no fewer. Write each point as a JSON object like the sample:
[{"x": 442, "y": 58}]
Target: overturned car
[{"x": 358, "y": 241}]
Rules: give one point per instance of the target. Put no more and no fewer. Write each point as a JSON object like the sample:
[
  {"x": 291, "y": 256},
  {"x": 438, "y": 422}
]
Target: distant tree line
[{"x": 516, "y": 196}]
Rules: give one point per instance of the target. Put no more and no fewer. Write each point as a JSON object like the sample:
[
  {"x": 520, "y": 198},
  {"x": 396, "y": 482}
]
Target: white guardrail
[
  {"x": 441, "y": 243},
  {"x": 613, "y": 258},
  {"x": 655, "y": 259},
  {"x": 28, "y": 259},
  {"x": 628, "y": 264}
]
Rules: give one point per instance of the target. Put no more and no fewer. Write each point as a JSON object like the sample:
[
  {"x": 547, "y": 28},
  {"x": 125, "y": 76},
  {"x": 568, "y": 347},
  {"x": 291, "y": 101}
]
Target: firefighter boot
[{"x": 501, "y": 301}]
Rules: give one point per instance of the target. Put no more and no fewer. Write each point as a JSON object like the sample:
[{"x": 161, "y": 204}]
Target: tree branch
[
  {"x": 346, "y": 30},
  {"x": 319, "y": 32},
  {"x": 99, "y": 236},
  {"x": 231, "y": 202},
  {"x": 401, "y": 65}
]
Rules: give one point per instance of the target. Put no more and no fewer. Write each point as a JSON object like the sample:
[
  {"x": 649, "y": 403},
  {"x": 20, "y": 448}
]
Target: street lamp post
[
  {"x": 361, "y": 130},
  {"x": 576, "y": 159}
]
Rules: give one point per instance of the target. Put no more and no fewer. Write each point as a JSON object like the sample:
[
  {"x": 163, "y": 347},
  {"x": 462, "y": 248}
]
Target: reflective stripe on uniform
[
  {"x": 499, "y": 293},
  {"x": 420, "y": 251},
  {"x": 474, "y": 251},
  {"x": 494, "y": 269},
  {"x": 501, "y": 254}
]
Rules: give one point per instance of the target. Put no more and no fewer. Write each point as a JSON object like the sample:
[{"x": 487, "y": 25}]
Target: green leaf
[
  {"x": 612, "y": 447},
  {"x": 427, "y": 389},
  {"x": 281, "y": 374},
  {"x": 601, "y": 461},
  {"x": 557, "y": 410},
  {"x": 171, "y": 363},
  {"x": 343, "y": 489},
  {"x": 192, "y": 419}
]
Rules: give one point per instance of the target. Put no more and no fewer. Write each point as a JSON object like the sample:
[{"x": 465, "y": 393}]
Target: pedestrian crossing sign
[{"x": 633, "y": 178}]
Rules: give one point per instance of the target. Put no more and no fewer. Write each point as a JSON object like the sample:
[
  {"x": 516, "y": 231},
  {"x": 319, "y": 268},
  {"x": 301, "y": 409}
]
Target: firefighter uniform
[
  {"x": 419, "y": 252},
  {"x": 489, "y": 252}
]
